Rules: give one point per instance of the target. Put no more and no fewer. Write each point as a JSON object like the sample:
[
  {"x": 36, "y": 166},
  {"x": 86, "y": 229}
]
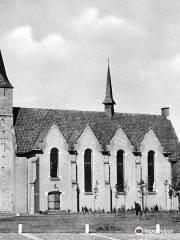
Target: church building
[{"x": 66, "y": 160}]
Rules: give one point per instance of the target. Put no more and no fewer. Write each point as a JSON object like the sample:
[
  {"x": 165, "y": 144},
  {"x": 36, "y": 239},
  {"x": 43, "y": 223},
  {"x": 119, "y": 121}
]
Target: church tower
[
  {"x": 109, "y": 101},
  {"x": 6, "y": 141}
]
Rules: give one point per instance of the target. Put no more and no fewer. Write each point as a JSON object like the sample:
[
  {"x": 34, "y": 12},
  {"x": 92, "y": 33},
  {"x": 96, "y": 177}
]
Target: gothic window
[
  {"x": 120, "y": 170},
  {"x": 54, "y": 163},
  {"x": 87, "y": 171},
  {"x": 150, "y": 170}
]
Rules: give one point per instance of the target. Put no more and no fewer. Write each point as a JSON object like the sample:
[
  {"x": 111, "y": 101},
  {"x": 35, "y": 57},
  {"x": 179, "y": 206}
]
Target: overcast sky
[{"x": 56, "y": 52}]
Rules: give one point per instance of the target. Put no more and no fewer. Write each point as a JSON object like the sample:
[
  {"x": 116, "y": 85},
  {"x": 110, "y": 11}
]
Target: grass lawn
[{"x": 75, "y": 223}]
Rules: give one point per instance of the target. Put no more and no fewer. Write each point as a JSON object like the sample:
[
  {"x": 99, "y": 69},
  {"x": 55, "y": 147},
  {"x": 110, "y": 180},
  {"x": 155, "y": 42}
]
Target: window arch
[
  {"x": 87, "y": 170},
  {"x": 120, "y": 170},
  {"x": 54, "y": 163},
  {"x": 150, "y": 170}
]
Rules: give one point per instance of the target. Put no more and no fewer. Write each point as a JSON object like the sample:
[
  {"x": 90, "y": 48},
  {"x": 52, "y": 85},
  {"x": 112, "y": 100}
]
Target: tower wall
[
  {"x": 6, "y": 151},
  {"x": 6, "y": 101}
]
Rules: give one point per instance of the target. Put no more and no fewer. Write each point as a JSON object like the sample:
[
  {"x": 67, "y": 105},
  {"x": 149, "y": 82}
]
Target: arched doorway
[{"x": 54, "y": 200}]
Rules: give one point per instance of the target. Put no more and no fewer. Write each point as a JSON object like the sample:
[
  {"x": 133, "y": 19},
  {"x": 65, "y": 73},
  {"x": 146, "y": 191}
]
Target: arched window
[
  {"x": 87, "y": 171},
  {"x": 120, "y": 170},
  {"x": 54, "y": 163},
  {"x": 150, "y": 170}
]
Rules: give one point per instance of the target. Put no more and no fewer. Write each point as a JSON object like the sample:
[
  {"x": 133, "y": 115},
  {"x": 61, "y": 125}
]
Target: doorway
[{"x": 54, "y": 200}]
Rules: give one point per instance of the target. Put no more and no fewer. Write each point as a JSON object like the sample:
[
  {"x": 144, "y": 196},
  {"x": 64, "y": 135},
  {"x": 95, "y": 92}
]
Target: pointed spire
[
  {"x": 109, "y": 95},
  {"x": 4, "y": 82},
  {"x": 109, "y": 101}
]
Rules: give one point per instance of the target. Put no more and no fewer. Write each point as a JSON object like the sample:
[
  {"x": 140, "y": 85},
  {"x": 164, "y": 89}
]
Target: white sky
[{"x": 55, "y": 53}]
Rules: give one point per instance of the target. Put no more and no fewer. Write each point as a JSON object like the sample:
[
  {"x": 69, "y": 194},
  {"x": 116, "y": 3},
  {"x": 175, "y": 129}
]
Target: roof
[
  {"x": 32, "y": 124},
  {"x": 4, "y": 82}
]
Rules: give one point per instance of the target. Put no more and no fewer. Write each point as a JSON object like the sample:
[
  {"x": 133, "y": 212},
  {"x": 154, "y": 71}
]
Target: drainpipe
[{"x": 27, "y": 186}]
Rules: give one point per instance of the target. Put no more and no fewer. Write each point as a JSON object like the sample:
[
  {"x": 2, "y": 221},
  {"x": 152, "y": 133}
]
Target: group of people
[
  {"x": 139, "y": 211},
  {"x": 85, "y": 209}
]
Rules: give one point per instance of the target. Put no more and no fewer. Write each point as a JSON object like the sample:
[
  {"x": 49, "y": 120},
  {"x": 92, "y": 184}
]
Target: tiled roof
[{"x": 31, "y": 126}]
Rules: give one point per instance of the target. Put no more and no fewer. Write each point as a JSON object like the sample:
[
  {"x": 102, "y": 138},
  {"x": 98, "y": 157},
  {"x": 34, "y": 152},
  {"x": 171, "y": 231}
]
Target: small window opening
[
  {"x": 87, "y": 170},
  {"x": 120, "y": 170},
  {"x": 150, "y": 171},
  {"x": 54, "y": 163}
]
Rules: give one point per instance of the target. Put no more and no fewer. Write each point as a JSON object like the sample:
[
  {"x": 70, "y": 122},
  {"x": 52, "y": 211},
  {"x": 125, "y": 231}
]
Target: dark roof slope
[
  {"x": 4, "y": 82},
  {"x": 31, "y": 126}
]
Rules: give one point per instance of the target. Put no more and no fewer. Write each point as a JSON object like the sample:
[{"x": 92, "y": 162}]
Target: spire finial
[{"x": 109, "y": 101}]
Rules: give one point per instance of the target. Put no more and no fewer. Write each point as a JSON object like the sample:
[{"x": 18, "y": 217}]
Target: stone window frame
[
  {"x": 88, "y": 167},
  {"x": 151, "y": 171},
  {"x": 54, "y": 177},
  {"x": 120, "y": 167}
]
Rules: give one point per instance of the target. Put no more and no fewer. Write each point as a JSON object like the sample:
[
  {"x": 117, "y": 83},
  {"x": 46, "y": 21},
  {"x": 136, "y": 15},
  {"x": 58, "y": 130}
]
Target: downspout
[{"x": 27, "y": 186}]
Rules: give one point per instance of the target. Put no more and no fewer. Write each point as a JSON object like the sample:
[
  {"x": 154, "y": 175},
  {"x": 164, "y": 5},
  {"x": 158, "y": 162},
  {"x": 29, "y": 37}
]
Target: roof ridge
[{"x": 89, "y": 111}]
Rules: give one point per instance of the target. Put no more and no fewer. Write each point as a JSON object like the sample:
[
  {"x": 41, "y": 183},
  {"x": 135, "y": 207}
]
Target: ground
[
  {"x": 80, "y": 236},
  {"x": 102, "y": 226},
  {"x": 75, "y": 223}
]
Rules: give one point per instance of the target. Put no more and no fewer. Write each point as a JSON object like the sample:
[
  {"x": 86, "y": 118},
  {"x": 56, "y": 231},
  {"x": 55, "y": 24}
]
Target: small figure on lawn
[
  {"x": 137, "y": 208},
  {"x": 114, "y": 210},
  {"x": 156, "y": 208},
  {"x": 86, "y": 209}
]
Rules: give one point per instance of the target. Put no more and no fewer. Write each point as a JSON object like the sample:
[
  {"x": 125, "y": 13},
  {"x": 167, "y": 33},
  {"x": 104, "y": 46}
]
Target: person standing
[{"x": 137, "y": 208}]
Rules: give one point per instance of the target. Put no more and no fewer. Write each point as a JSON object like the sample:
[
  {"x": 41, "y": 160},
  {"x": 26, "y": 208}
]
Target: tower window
[
  {"x": 54, "y": 163},
  {"x": 120, "y": 170},
  {"x": 150, "y": 170},
  {"x": 87, "y": 171}
]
